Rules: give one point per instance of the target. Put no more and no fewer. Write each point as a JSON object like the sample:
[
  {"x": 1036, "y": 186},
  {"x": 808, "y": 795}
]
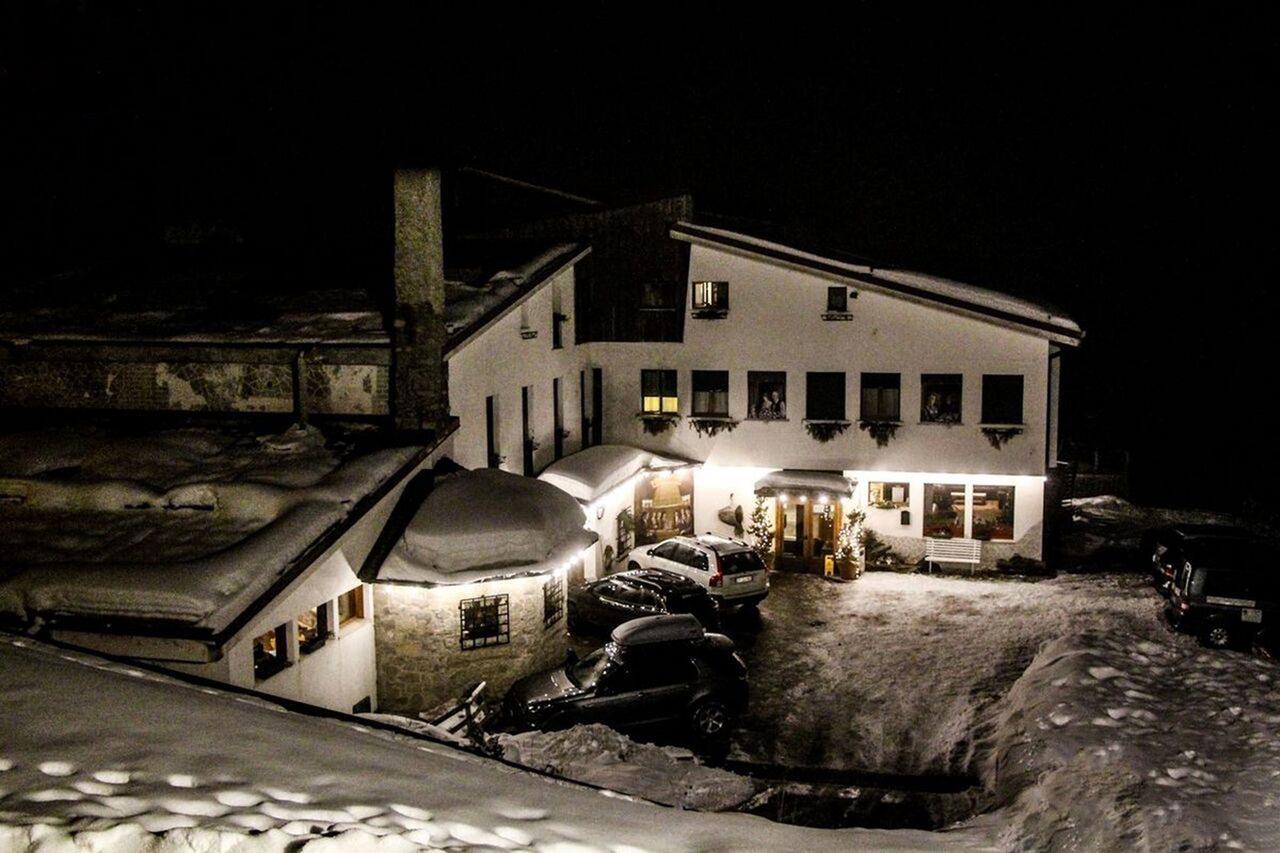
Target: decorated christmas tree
[
  {"x": 760, "y": 528},
  {"x": 849, "y": 541}
]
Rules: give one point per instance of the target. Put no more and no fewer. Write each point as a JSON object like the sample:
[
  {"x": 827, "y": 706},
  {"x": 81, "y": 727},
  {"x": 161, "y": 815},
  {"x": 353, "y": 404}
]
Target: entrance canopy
[
  {"x": 595, "y": 471},
  {"x": 797, "y": 481}
]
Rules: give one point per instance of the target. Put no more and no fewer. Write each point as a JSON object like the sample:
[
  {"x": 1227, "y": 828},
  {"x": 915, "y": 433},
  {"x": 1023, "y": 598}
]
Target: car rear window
[
  {"x": 1252, "y": 586},
  {"x": 741, "y": 561}
]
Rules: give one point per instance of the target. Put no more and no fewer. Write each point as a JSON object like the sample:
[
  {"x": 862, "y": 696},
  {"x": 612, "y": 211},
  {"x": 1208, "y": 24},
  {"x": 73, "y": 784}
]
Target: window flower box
[
  {"x": 1001, "y": 434},
  {"x": 712, "y": 425},
  {"x": 656, "y": 423},
  {"x": 882, "y": 431},
  {"x": 825, "y": 430}
]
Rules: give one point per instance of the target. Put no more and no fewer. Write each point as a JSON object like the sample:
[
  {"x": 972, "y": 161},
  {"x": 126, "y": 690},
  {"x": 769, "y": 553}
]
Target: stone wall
[
  {"x": 420, "y": 660},
  {"x": 140, "y": 379}
]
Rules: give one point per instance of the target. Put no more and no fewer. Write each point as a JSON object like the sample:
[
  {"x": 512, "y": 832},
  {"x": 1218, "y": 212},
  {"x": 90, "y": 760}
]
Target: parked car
[
  {"x": 728, "y": 568},
  {"x": 654, "y": 670},
  {"x": 1165, "y": 547},
  {"x": 606, "y": 604},
  {"x": 1226, "y": 590}
]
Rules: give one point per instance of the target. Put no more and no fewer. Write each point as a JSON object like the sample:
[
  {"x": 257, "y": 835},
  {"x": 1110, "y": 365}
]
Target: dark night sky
[{"x": 1118, "y": 164}]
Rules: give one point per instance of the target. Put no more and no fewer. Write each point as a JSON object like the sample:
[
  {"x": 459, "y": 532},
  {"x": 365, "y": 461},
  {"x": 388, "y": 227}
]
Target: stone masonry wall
[{"x": 420, "y": 662}]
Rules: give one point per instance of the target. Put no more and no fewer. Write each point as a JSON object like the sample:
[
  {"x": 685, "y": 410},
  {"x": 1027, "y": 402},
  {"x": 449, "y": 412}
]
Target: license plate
[
  {"x": 1250, "y": 615},
  {"x": 747, "y": 579}
]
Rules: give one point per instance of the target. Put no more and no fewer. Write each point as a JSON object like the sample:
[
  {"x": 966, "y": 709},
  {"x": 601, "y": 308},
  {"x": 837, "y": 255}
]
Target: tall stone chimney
[{"x": 420, "y": 398}]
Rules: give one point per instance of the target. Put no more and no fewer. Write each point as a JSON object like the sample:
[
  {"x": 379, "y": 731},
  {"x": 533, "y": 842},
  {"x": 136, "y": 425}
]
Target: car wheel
[
  {"x": 710, "y": 720},
  {"x": 1216, "y": 635},
  {"x": 633, "y": 566}
]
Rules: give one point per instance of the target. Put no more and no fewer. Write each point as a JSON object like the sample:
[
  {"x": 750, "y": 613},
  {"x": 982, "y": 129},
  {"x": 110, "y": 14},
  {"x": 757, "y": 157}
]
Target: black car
[
  {"x": 1166, "y": 547},
  {"x": 655, "y": 670},
  {"x": 1225, "y": 591},
  {"x": 605, "y": 604}
]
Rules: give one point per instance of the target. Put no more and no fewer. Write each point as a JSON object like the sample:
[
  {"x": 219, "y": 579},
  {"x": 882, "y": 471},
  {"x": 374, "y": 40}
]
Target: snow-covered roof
[
  {"x": 472, "y": 305},
  {"x": 594, "y": 471},
  {"x": 180, "y": 529},
  {"x": 797, "y": 480},
  {"x": 916, "y": 286},
  {"x": 99, "y": 755},
  {"x": 483, "y": 525}
]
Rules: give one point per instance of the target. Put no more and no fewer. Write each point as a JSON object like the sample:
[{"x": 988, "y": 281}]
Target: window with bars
[
  {"x": 485, "y": 621},
  {"x": 711, "y": 296},
  {"x": 658, "y": 392},
  {"x": 1001, "y": 398},
  {"x": 711, "y": 392},
  {"x": 824, "y": 396},
  {"x": 552, "y": 601},
  {"x": 881, "y": 397}
]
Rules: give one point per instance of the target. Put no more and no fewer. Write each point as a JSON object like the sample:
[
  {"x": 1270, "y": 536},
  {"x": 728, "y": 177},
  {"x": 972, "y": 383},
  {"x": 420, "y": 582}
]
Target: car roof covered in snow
[
  {"x": 993, "y": 305},
  {"x": 719, "y": 544},
  {"x": 658, "y": 629},
  {"x": 595, "y": 471}
]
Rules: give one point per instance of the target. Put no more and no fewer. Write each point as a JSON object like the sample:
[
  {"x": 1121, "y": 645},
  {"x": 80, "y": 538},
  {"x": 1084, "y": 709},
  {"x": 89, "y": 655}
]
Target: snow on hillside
[
  {"x": 1109, "y": 741},
  {"x": 181, "y": 524},
  {"x": 893, "y": 673},
  {"x": 113, "y": 758}
]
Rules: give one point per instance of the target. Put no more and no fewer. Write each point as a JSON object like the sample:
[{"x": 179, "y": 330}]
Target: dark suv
[
  {"x": 605, "y": 604},
  {"x": 655, "y": 670},
  {"x": 1225, "y": 590},
  {"x": 1166, "y": 548}
]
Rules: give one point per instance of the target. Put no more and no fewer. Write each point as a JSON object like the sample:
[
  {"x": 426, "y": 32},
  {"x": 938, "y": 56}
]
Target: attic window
[
  {"x": 271, "y": 652},
  {"x": 313, "y": 628},
  {"x": 711, "y": 296}
]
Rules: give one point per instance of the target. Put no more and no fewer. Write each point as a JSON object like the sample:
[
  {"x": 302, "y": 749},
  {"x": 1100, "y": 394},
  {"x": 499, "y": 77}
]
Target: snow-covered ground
[
  {"x": 116, "y": 759},
  {"x": 893, "y": 673},
  {"x": 1106, "y": 531},
  {"x": 180, "y": 524}
]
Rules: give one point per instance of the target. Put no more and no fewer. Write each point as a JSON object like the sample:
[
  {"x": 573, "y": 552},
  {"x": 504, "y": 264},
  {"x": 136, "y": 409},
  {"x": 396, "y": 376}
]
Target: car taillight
[{"x": 717, "y": 578}]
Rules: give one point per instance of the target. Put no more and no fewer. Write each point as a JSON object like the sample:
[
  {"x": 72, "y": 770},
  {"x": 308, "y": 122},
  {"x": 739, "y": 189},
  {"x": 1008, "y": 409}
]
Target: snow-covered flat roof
[
  {"x": 483, "y": 525},
  {"x": 181, "y": 528},
  {"x": 595, "y": 471},
  {"x": 955, "y": 295},
  {"x": 122, "y": 759}
]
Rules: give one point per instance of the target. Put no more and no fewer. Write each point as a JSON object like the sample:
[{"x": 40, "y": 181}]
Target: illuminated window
[
  {"x": 888, "y": 495},
  {"x": 271, "y": 652},
  {"x": 485, "y": 621},
  {"x": 658, "y": 392},
  {"x": 881, "y": 396},
  {"x": 351, "y": 605},
  {"x": 711, "y": 392},
  {"x": 993, "y": 512},
  {"x": 944, "y": 510},
  {"x": 767, "y": 395},
  {"x": 711, "y": 296},
  {"x": 552, "y": 601},
  {"x": 313, "y": 628},
  {"x": 1002, "y": 398}
]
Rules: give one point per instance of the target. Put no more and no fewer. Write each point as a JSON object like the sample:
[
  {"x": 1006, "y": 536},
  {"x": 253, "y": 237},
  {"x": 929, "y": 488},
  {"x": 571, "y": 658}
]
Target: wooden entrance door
[{"x": 806, "y": 532}]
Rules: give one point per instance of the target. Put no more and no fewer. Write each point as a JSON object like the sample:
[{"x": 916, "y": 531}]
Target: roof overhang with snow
[
  {"x": 800, "y": 481},
  {"x": 594, "y": 472},
  {"x": 560, "y": 260},
  {"x": 472, "y": 526},
  {"x": 960, "y": 298}
]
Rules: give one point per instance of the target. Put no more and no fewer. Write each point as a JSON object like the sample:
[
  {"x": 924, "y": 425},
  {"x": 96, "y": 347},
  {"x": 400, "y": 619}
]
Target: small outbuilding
[{"x": 469, "y": 584}]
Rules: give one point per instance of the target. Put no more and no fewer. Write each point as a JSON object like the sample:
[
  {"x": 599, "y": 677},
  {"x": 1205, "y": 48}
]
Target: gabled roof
[
  {"x": 471, "y": 307},
  {"x": 918, "y": 287}
]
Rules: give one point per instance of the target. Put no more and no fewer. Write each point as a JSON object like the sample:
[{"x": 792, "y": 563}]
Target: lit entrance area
[{"x": 808, "y": 515}]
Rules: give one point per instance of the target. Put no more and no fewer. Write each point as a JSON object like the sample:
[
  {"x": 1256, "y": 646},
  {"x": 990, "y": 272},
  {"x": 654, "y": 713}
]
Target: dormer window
[{"x": 710, "y": 298}]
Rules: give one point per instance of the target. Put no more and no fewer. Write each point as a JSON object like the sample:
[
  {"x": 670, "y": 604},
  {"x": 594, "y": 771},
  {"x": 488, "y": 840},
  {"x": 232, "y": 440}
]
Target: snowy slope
[{"x": 123, "y": 760}]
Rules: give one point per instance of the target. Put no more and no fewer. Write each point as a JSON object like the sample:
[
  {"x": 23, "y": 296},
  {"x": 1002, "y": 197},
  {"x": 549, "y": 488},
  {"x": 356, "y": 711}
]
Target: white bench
[{"x": 953, "y": 551}]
